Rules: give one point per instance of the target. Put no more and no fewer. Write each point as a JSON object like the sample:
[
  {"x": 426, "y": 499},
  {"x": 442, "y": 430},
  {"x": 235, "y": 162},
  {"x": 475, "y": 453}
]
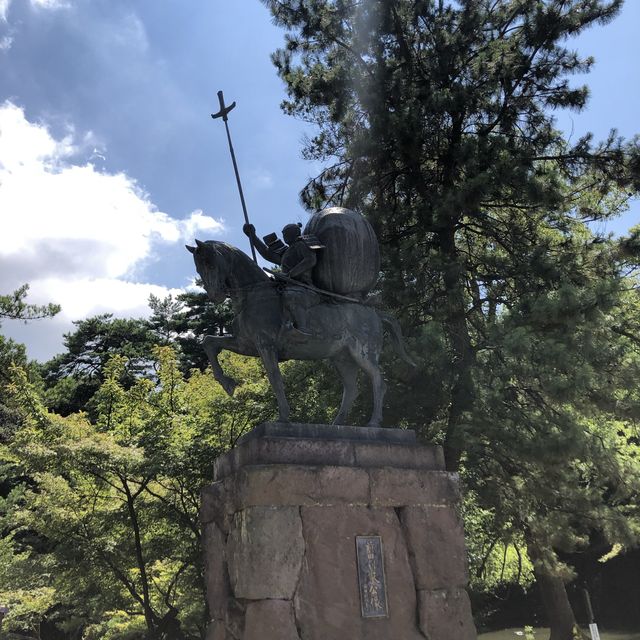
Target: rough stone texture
[
  {"x": 216, "y": 631},
  {"x": 291, "y": 451},
  {"x": 329, "y": 432},
  {"x": 216, "y": 574},
  {"x": 264, "y": 551},
  {"x": 381, "y": 454},
  {"x": 435, "y": 538},
  {"x": 270, "y": 619},
  {"x": 446, "y": 615},
  {"x": 327, "y": 601},
  {"x": 300, "y": 485},
  {"x": 217, "y": 505},
  {"x": 234, "y": 623},
  {"x": 411, "y": 487},
  {"x": 286, "y": 509},
  {"x": 270, "y": 450}
]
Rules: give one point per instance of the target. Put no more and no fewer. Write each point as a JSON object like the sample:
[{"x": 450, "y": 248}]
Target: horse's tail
[{"x": 396, "y": 335}]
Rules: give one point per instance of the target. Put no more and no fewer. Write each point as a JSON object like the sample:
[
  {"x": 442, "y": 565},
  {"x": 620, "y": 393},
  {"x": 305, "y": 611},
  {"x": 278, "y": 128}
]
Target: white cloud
[
  {"x": 196, "y": 222},
  {"x": 7, "y": 40},
  {"x": 83, "y": 297},
  {"x": 79, "y": 299},
  {"x": 4, "y": 9},
  {"x": 51, "y": 4},
  {"x": 76, "y": 234},
  {"x": 131, "y": 34},
  {"x": 261, "y": 178},
  {"x": 50, "y": 208},
  {"x": 40, "y": 4}
]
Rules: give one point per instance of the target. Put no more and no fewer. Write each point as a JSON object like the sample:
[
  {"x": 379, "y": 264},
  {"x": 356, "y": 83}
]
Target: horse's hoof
[{"x": 229, "y": 385}]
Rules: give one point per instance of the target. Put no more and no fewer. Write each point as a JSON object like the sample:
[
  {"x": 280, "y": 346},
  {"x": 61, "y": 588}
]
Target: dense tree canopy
[
  {"x": 436, "y": 120},
  {"x": 102, "y": 538}
]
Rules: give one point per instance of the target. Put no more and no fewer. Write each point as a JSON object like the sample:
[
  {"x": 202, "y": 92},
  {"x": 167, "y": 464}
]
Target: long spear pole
[{"x": 223, "y": 113}]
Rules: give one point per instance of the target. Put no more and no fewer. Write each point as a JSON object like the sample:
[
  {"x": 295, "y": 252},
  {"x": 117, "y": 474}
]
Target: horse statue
[{"x": 348, "y": 333}]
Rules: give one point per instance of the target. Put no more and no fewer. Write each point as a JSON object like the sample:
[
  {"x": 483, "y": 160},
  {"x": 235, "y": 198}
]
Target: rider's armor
[{"x": 301, "y": 249}]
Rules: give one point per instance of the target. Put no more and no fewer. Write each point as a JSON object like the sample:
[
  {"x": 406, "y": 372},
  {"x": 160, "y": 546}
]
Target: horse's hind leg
[
  {"x": 379, "y": 388},
  {"x": 270, "y": 360},
  {"x": 348, "y": 371},
  {"x": 212, "y": 346},
  {"x": 368, "y": 360}
]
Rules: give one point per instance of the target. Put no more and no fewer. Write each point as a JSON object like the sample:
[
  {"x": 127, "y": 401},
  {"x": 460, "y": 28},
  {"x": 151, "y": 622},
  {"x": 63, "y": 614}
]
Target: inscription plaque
[{"x": 373, "y": 588}]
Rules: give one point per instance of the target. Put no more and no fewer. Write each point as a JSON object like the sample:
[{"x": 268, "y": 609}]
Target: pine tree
[
  {"x": 73, "y": 377},
  {"x": 184, "y": 321},
  {"x": 435, "y": 119},
  {"x": 14, "y": 307}
]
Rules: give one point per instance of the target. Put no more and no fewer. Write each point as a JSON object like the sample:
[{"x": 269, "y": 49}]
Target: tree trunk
[
  {"x": 149, "y": 614},
  {"x": 553, "y": 592},
  {"x": 557, "y": 607},
  {"x": 462, "y": 388}
]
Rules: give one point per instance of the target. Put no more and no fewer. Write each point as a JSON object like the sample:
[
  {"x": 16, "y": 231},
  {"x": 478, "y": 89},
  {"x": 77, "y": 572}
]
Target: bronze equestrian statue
[{"x": 326, "y": 324}]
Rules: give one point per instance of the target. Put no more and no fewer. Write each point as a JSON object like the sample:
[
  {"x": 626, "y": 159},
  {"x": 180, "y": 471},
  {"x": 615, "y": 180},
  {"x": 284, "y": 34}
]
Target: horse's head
[{"x": 212, "y": 264}]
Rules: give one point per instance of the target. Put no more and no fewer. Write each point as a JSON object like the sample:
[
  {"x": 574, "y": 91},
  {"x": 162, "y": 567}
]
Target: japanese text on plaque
[{"x": 373, "y": 590}]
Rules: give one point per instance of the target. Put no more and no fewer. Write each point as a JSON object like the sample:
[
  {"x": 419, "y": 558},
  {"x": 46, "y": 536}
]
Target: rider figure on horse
[{"x": 297, "y": 257}]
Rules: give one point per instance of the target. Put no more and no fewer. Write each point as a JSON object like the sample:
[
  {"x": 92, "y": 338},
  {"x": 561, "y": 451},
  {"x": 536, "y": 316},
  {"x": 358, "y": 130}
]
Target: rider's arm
[
  {"x": 260, "y": 246},
  {"x": 308, "y": 262}
]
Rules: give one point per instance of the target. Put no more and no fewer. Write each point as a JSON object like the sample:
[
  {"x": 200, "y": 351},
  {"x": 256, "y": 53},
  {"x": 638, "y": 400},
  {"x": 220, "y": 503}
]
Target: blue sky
[{"x": 111, "y": 160}]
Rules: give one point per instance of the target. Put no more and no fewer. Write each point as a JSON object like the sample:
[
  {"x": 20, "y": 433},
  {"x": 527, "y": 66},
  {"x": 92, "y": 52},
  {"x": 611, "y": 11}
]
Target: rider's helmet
[{"x": 291, "y": 232}]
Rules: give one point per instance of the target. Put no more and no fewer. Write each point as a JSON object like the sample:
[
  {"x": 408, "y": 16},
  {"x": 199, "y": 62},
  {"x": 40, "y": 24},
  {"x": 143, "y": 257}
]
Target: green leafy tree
[
  {"x": 165, "y": 312},
  {"x": 15, "y": 307},
  {"x": 104, "y": 539},
  {"x": 434, "y": 116},
  {"x": 73, "y": 377}
]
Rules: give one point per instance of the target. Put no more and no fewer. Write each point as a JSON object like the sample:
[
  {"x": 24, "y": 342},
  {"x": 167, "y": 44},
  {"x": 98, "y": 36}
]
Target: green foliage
[
  {"x": 103, "y": 539},
  {"x": 10, "y": 353},
  {"x": 496, "y": 555},
  {"x": 185, "y": 320},
  {"x": 74, "y": 376},
  {"x": 14, "y": 307},
  {"x": 435, "y": 121}
]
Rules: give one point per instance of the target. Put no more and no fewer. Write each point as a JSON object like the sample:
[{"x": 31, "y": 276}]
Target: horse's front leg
[
  {"x": 212, "y": 346},
  {"x": 269, "y": 356}
]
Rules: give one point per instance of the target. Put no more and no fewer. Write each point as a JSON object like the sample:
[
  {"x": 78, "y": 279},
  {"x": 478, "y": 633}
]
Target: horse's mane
[
  {"x": 235, "y": 259},
  {"x": 226, "y": 251}
]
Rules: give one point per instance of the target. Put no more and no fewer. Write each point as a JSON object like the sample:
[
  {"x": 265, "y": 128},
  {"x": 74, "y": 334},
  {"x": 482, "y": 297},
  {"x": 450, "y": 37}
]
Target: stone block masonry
[{"x": 280, "y": 524}]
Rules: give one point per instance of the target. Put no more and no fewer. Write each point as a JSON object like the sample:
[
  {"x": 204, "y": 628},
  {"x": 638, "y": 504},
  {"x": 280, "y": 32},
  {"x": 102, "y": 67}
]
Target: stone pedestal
[{"x": 314, "y": 532}]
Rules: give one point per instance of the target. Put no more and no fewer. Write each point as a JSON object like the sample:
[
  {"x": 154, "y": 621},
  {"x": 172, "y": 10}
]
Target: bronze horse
[{"x": 349, "y": 334}]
